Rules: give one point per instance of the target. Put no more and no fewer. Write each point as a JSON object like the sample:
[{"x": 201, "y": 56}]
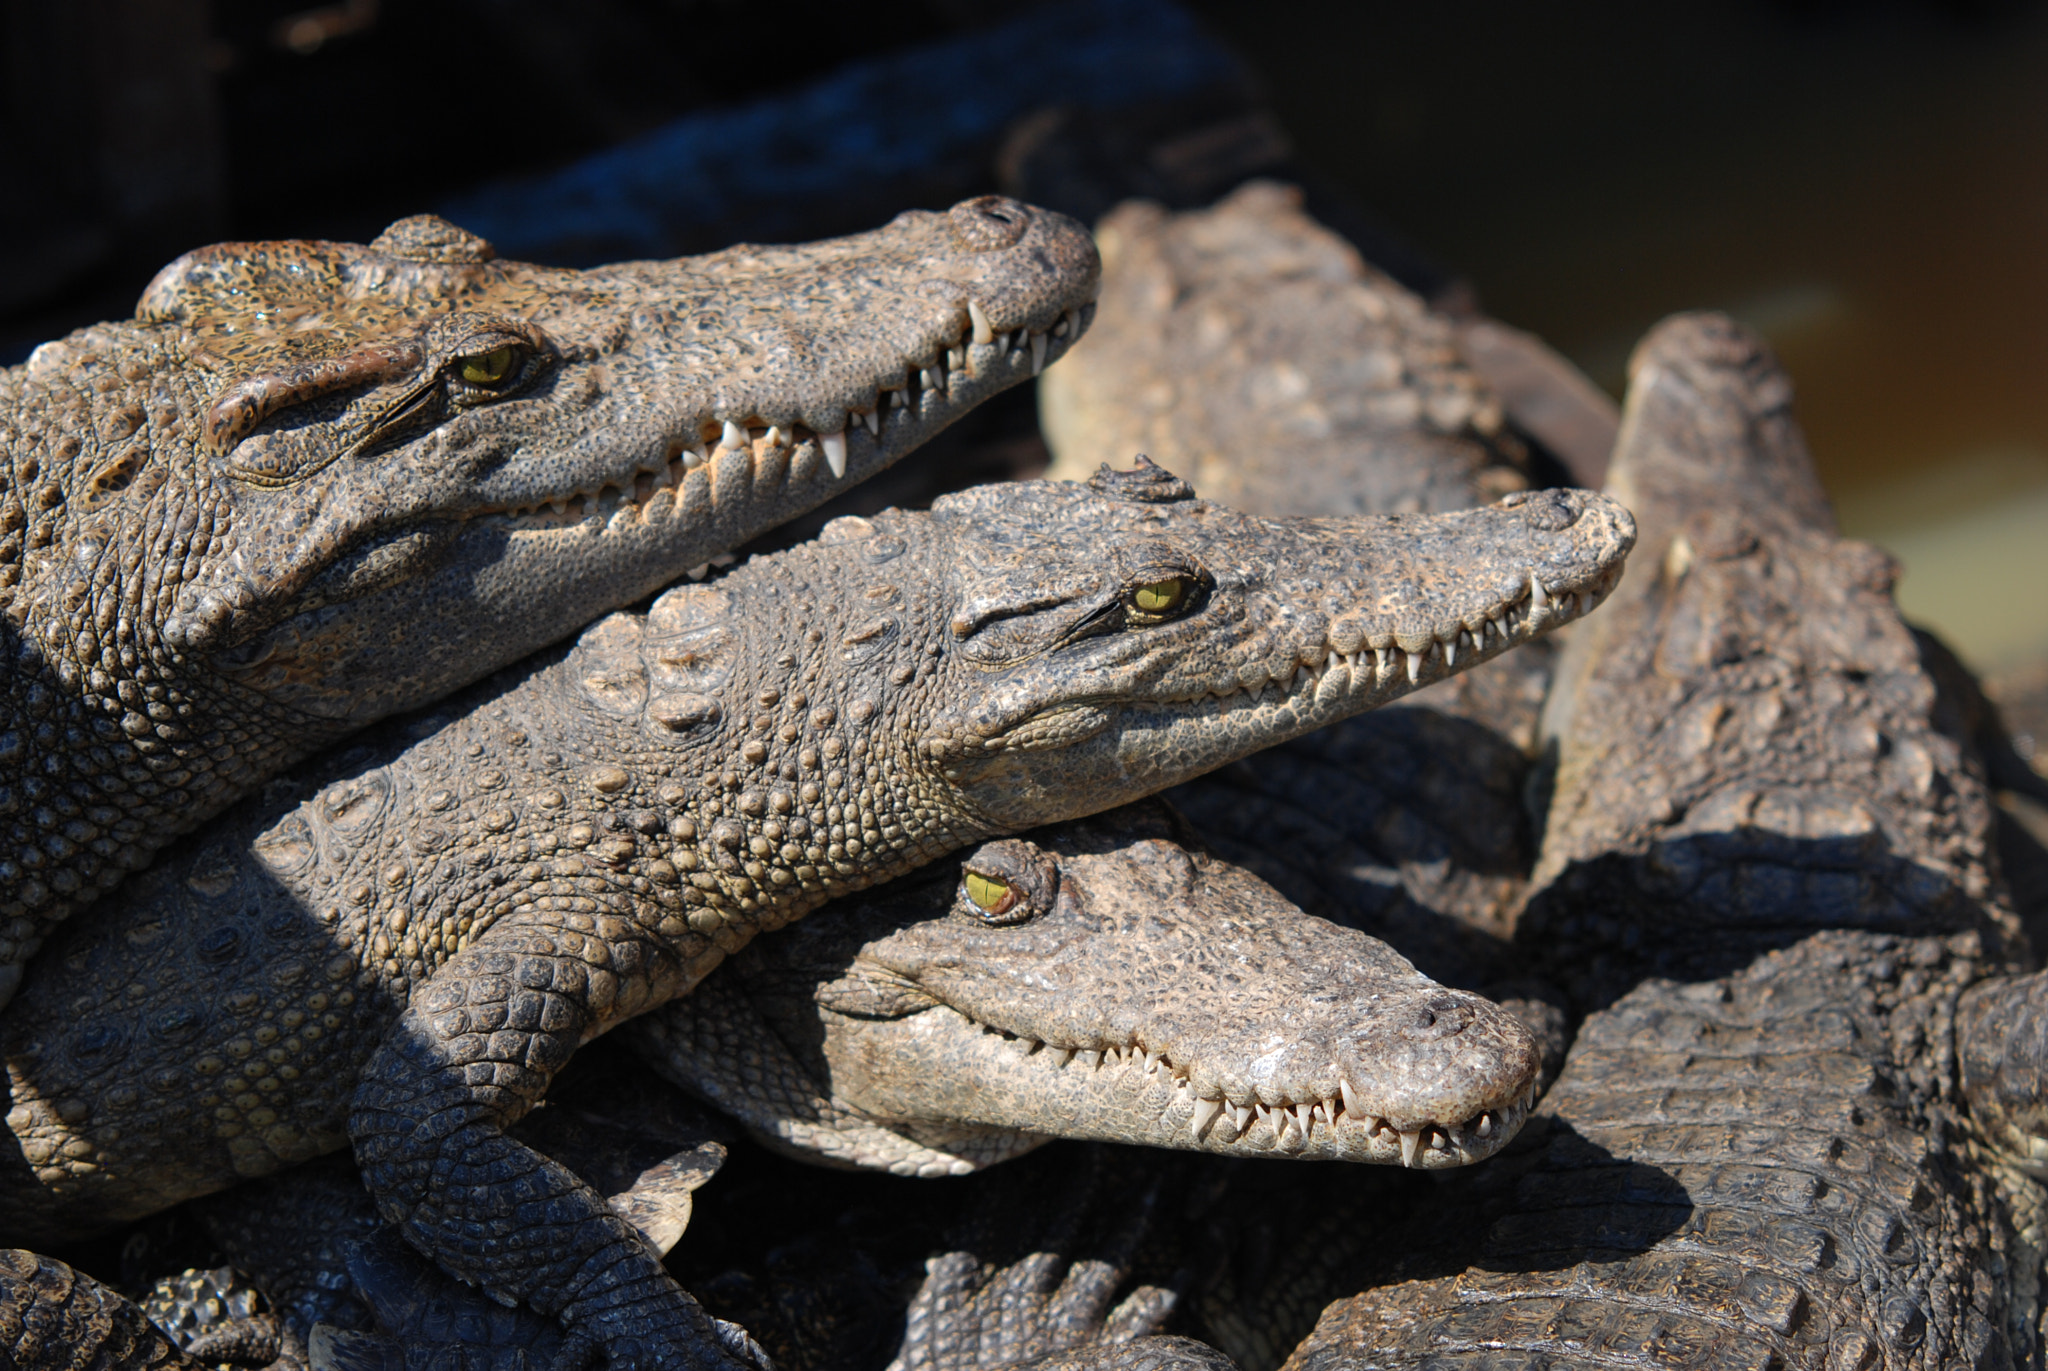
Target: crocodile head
[
  {"x": 1099, "y": 979},
  {"x": 1105, "y": 629},
  {"x": 398, "y": 442}
]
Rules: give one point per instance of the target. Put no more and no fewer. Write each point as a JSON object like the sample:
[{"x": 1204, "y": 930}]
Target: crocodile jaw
[{"x": 940, "y": 1058}]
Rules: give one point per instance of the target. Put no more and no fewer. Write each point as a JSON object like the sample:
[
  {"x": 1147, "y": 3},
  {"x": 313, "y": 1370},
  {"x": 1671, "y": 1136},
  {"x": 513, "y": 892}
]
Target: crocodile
[
  {"x": 586, "y": 838},
  {"x": 1034, "y": 942},
  {"x": 1798, "y": 1122},
  {"x": 272, "y": 507},
  {"x": 1103, "y": 980}
]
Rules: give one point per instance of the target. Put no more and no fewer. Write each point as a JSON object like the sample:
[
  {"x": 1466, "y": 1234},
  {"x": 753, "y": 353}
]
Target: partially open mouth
[{"x": 911, "y": 405}]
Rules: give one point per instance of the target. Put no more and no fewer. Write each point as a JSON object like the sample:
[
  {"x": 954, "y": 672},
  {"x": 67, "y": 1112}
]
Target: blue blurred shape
[{"x": 914, "y": 127}]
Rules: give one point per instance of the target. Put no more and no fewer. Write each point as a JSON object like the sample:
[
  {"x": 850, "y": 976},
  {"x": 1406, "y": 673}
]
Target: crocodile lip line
[
  {"x": 912, "y": 404},
  {"x": 1342, "y": 1125}
]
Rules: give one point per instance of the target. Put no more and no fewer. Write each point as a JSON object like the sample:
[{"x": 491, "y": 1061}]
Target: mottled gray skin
[
  {"x": 1768, "y": 876},
  {"x": 1253, "y": 349},
  {"x": 272, "y": 507},
  {"x": 405, "y": 959},
  {"x": 1131, "y": 989}
]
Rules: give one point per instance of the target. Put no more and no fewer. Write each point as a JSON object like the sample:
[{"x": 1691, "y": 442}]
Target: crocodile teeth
[
  {"x": 1485, "y": 1126},
  {"x": 834, "y": 445},
  {"x": 1451, "y": 651},
  {"x": 1152, "y": 1060},
  {"x": 976, "y": 316},
  {"x": 1090, "y": 1059},
  {"x": 1038, "y": 341},
  {"x": 1351, "y": 1104},
  {"x": 1062, "y": 1055},
  {"x": 1303, "y": 1113},
  {"x": 1205, "y": 1114},
  {"x": 734, "y": 437},
  {"x": 934, "y": 379},
  {"x": 1241, "y": 1116},
  {"x": 1538, "y": 601},
  {"x": 1414, "y": 666},
  {"x": 1409, "y": 1142}
]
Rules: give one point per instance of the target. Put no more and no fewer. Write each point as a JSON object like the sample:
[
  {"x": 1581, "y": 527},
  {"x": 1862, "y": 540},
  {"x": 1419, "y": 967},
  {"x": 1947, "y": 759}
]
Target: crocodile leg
[
  {"x": 475, "y": 1052},
  {"x": 2002, "y": 1037}
]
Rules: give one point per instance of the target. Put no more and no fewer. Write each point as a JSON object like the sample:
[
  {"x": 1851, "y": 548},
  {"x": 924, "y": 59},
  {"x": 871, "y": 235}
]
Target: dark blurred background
[{"x": 1865, "y": 183}]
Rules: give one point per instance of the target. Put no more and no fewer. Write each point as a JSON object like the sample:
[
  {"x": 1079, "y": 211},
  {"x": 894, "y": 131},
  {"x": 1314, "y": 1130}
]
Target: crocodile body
[
  {"x": 587, "y": 838},
  {"x": 275, "y": 505},
  {"x": 1121, "y": 979},
  {"x": 1253, "y": 349},
  {"x": 1794, "y": 1125}
]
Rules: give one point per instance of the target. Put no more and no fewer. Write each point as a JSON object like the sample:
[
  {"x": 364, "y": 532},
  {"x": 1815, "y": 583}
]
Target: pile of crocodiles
[{"x": 1664, "y": 964}]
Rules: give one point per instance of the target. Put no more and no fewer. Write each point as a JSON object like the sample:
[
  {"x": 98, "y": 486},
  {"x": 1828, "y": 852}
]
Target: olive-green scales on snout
[
  {"x": 278, "y": 503},
  {"x": 467, "y": 900}
]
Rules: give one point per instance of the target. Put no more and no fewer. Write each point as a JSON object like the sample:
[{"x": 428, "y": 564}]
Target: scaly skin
[
  {"x": 1253, "y": 349},
  {"x": 273, "y": 507},
  {"x": 55, "y": 1319},
  {"x": 1130, "y": 990},
  {"x": 418, "y": 948},
  {"x": 1768, "y": 875}
]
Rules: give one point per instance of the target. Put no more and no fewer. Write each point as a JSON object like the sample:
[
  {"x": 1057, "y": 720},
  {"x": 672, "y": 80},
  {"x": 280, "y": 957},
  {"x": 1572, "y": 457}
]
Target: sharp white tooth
[
  {"x": 834, "y": 445},
  {"x": 934, "y": 379},
  {"x": 1485, "y": 1128},
  {"x": 1152, "y": 1060},
  {"x": 1302, "y": 1114},
  {"x": 1032, "y": 1045},
  {"x": 1414, "y": 666},
  {"x": 1061, "y": 329},
  {"x": 1062, "y": 1055},
  {"x": 1451, "y": 651},
  {"x": 1538, "y": 601},
  {"x": 1581, "y": 603},
  {"x": 1329, "y": 1108},
  {"x": 694, "y": 457},
  {"x": 1240, "y": 1117},
  {"x": 1205, "y": 1114},
  {"x": 1382, "y": 661},
  {"x": 1024, "y": 1047},
  {"x": 1037, "y": 353},
  {"x": 1090, "y": 1058},
  {"x": 775, "y": 438},
  {"x": 1351, "y": 1106},
  {"x": 1409, "y": 1142},
  {"x": 983, "y": 334},
  {"x": 1438, "y": 1141},
  {"x": 956, "y": 358},
  {"x": 700, "y": 571},
  {"x": 734, "y": 437}
]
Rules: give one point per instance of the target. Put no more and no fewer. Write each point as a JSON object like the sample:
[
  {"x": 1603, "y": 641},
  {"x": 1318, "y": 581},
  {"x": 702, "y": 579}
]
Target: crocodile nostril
[
  {"x": 1551, "y": 510},
  {"x": 988, "y": 223},
  {"x": 1437, "y": 1018}
]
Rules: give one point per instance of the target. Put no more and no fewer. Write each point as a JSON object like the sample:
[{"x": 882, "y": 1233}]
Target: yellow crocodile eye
[
  {"x": 489, "y": 368},
  {"x": 989, "y": 894},
  {"x": 1160, "y": 597}
]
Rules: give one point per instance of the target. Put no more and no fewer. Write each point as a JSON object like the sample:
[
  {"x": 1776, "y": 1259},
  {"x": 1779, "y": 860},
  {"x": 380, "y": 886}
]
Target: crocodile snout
[{"x": 988, "y": 223}]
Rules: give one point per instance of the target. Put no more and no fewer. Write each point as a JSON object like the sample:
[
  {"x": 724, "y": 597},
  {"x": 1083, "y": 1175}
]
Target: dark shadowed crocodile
[
  {"x": 411, "y": 953},
  {"x": 1097, "y": 979},
  {"x": 1794, "y": 1128},
  {"x": 276, "y": 504}
]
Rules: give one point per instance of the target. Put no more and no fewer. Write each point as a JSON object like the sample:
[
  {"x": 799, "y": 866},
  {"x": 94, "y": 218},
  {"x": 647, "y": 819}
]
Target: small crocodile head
[
  {"x": 1104, "y": 631},
  {"x": 1100, "y": 979},
  {"x": 396, "y": 444}
]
